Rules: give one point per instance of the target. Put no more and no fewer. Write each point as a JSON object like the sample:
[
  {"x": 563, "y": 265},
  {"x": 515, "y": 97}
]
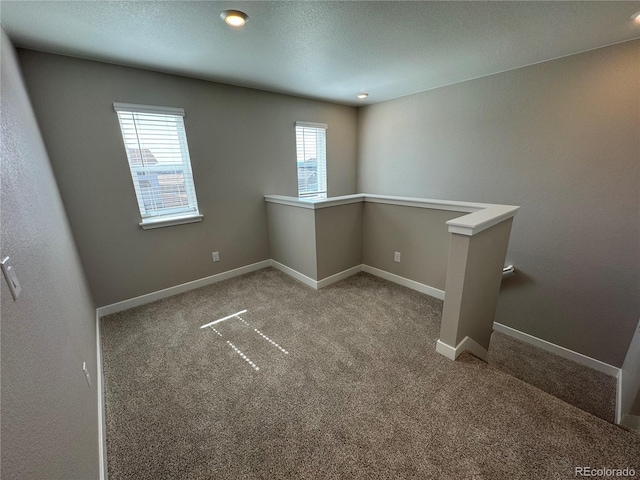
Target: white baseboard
[
  {"x": 339, "y": 276},
  {"x": 446, "y": 350},
  {"x": 392, "y": 277},
  {"x": 316, "y": 284},
  {"x": 185, "y": 287},
  {"x": 558, "y": 350},
  {"x": 102, "y": 426},
  {"x": 472, "y": 346},
  {"x": 295, "y": 274},
  {"x": 619, "y": 393},
  {"x": 467, "y": 344},
  {"x": 629, "y": 377}
]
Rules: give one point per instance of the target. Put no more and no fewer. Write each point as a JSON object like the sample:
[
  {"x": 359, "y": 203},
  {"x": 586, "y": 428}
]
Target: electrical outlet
[
  {"x": 215, "y": 256},
  {"x": 86, "y": 373},
  {"x": 396, "y": 257},
  {"x": 11, "y": 277}
]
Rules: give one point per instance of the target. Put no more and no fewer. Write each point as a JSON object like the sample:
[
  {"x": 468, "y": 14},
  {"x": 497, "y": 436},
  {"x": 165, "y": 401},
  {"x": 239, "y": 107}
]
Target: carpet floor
[
  {"x": 584, "y": 387},
  {"x": 343, "y": 382}
]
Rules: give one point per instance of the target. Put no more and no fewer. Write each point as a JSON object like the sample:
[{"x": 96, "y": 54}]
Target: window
[
  {"x": 156, "y": 145},
  {"x": 311, "y": 149}
]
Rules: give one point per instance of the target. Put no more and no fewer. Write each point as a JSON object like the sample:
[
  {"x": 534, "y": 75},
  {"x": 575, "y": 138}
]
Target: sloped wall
[{"x": 49, "y": 413}]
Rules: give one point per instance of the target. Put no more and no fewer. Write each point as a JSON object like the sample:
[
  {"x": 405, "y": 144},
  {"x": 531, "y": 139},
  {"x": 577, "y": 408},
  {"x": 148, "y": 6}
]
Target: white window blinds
[
  {"x": 156, "y": 145},
  {"x": 311, "y": 158}
]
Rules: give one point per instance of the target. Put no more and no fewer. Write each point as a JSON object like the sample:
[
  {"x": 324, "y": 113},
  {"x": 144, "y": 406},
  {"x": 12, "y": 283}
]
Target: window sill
[{"x": 170, "y": 221}]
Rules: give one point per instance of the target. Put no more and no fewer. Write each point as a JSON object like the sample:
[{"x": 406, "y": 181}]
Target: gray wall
[
  {"x": 292, "y": 235},
  {"x": 317, "y": 243},
  {"x": 473, "y": 285},
  {"x": 49, "y": 413},
  {"x": 338, "y": 238},
  {"x": 562, "y": 140},
  {"x": 242, "y": 146},
  {"x": 420, "y": 235}
]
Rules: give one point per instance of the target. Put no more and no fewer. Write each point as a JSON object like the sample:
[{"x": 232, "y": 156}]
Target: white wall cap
[
  {"x": 481, "y": 220},
  {"x": 480, "y": 215}
]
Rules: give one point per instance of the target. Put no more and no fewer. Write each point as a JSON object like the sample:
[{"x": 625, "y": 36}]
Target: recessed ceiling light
[
  {"x": 636, "y": 17},
  {"x": 363, "y": 95},
  {"x": 235, "y": 18}
]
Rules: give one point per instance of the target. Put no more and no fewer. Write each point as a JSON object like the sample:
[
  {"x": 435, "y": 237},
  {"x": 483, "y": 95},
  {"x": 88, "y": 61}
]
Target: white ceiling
[{"x": 323, "y": 50}]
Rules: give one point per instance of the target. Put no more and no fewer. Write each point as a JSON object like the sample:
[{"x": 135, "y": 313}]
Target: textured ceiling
[{"x": 324, "y": 50}]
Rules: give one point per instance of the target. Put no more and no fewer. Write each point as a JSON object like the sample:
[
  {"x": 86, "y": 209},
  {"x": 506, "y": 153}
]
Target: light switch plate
[
  {"x": 11, "y": 278},
  {"x": 86, "y": 373}
]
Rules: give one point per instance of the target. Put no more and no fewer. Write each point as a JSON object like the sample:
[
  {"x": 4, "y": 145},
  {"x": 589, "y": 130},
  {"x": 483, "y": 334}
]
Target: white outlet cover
[
  {"x": 11, "y": 277},
  {"x": 86, "y": 373}
]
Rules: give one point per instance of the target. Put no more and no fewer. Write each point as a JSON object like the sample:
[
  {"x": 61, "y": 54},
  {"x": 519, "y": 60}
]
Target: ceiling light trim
[{"x": 234, "y": 18}]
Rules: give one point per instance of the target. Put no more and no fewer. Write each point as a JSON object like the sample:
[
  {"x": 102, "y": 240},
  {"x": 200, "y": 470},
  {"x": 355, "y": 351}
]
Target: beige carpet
[
  {"x": 347, "y": 384},
  {"x": 584, "y": 387}
]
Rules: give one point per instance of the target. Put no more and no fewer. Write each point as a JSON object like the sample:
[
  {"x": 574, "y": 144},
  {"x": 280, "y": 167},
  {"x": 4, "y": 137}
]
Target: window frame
[
  {"x": 318, "y": 194},
  {"x": 169, "y": 217}
]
